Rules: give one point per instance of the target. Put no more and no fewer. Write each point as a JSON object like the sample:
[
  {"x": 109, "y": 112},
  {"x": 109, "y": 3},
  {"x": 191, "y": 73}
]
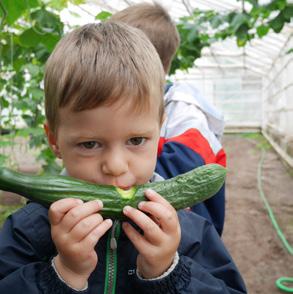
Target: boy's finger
[
  {"x": 151, "y": 230},
  {"x": 167, "y": 218},
  {"x": 85, "y": 226},
  {"x": 59, "y": 208},
  {"x": 76, "y": 214},
  {"x": 139, "y": 242},
  {"x": 94, "y": 236},
  {"x": 154, "y": 196}
]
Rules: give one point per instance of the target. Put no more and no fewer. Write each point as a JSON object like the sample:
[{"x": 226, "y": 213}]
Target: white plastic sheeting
[
  {"x": 277, "y": 121},
  {"x": 236, "y": 92}
]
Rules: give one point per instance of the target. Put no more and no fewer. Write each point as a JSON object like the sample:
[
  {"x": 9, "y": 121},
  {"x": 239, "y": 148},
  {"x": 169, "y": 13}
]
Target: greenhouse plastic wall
[
  {"x": 278, "y": 104},
  {"x": 236, "y": 92}
]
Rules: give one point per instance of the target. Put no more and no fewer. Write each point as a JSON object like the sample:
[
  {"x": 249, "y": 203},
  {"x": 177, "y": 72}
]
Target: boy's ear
[{"x": 52, "y": 140}]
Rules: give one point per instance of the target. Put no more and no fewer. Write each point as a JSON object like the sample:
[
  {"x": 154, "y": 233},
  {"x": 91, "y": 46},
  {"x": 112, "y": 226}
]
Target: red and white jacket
[{"x": 190, "y": 137}]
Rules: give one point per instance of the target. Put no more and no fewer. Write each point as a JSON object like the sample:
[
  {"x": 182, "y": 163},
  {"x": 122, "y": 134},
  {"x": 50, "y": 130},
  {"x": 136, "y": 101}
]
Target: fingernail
[
  {"x": 79, "y": 201},
  {"x": 126, "y": 209},
  {"x": 150, "y": 191},
  {"x": 109, "y": 221},
  {"x": 141, "y": 204},
  {"x": 100, "y": 203}
]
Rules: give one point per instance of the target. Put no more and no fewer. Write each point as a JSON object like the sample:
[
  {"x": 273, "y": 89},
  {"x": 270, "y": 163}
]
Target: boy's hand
[
  {"x": 76, "y": 227},
  {"x": 157, "y": 246}
]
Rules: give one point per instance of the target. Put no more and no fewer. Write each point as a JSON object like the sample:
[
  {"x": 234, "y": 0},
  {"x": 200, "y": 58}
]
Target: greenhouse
[{"x": 236, "y": 56}]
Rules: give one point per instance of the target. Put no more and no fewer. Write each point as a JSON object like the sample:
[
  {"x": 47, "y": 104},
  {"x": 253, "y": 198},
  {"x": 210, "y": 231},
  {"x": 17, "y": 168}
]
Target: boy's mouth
[
  {"x": 125, "y": 188},
  {"x": 126, "y": 192}
]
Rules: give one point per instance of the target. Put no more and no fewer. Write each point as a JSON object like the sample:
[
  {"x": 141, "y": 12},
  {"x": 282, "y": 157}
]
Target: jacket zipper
[{"x": 111, "y": 259}]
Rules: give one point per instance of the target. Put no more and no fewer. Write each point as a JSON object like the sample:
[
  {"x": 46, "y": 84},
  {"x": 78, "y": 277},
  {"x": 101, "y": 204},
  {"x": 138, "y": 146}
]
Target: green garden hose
[{"x": 280, "y": 283}]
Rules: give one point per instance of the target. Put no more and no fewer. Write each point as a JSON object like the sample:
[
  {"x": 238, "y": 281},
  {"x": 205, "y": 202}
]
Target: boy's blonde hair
[
  {"x": 99, "y": 64},
  {"x": 157, "y": 24}
]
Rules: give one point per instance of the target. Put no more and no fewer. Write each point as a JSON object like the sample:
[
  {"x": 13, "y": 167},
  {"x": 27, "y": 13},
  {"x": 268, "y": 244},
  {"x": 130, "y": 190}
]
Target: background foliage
[
  {"x": 203, "y": 28},
  {"x": 31, "y": 28}
]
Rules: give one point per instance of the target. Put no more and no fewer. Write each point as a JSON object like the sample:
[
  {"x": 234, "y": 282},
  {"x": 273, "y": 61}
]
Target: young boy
[
  {"x": 190, "y": 135},
  {"x": 104, "y": 108}
]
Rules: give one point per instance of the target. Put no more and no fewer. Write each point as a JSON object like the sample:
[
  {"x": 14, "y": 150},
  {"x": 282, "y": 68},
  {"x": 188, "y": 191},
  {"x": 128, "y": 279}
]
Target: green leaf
[
  {"x": 262, "y": 30},
  {"x": 46, "y": 21},
  {"x": 41, "y": 53},
  {"x": 289, "y": 51},
  {"x": 32, "y": 38},
  {"x": 29, "y": 38},
  {"x": 230, "y": 16},
  {"x": 33, "y": 3},
  {"x": 4, "y": 103},
  {"x": 50, "y": 41},
  {"x": 276, "y": 5},
  {"x": 193, "y": 35},
  {"x": 277, "y": 23},
  {"x": 281, "y": 4},
  {"x": 216, "y": 21},
  {"x": 58, "y": 4},
  {"x": 14, "y": 9},
  {"x": 242, "y": 35},
  {"x": 241, "y": 42},
  {"x": 37, "y": 93},
  {"x": 18, "y": 63},
  {"x": 103, "y": 15},
  {"x": 239, "y": 20},
  {"x": 288, "y": 12}
]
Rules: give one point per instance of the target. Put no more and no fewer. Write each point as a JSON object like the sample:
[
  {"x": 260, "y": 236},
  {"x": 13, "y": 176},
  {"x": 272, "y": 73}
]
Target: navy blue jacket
[
  {"x": 176, "y": 158},
  {"x": 26, "y": 249}
]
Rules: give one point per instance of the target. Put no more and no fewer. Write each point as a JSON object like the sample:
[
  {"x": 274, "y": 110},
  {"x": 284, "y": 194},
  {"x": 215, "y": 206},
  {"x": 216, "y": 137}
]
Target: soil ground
[{"x": 248, "y": 233}]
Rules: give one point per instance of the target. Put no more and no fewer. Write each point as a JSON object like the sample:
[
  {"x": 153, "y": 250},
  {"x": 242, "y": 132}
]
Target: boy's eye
[
  {"x": 89, "y": 145},
  {"x": 136, "y": 141}
]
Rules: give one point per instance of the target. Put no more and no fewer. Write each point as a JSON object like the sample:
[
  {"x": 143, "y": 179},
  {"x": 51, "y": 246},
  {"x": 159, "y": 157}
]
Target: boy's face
[{"x": 111, "y": 145}]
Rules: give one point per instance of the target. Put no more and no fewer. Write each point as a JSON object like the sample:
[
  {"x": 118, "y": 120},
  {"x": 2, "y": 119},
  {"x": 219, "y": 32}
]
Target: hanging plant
[{"x": 203, "y": 28}]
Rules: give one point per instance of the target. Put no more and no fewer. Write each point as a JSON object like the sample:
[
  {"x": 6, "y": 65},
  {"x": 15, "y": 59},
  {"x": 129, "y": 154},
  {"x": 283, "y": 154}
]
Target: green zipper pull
[
  {"x": 113, "y": 242},
  {"x": 111, "y": 259}
]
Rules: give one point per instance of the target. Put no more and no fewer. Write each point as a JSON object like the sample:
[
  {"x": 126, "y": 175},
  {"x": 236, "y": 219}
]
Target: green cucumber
[{"x": 182, "y": 191}]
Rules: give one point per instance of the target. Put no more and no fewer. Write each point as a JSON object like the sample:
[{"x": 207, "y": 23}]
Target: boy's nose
[{"x": 115, "y": 165}]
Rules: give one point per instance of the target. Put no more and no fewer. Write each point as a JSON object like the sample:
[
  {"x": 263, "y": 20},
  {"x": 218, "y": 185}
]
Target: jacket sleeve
[
  {"x": 204, "y": 265},
  {"x": 26, "y": 250},
  {"x": 187, "y": 142}
]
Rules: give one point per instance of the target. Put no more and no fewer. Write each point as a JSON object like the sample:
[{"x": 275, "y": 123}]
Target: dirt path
[{"x": 248, "y": 233}]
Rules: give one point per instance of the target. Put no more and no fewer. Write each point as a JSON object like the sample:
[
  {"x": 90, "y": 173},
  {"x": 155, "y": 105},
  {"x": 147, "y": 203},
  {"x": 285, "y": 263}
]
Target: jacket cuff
[
  {"x": 166, "y": 273},
  {"x": 50, "y": 282},
  {"x": 175, "y": 282}
]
